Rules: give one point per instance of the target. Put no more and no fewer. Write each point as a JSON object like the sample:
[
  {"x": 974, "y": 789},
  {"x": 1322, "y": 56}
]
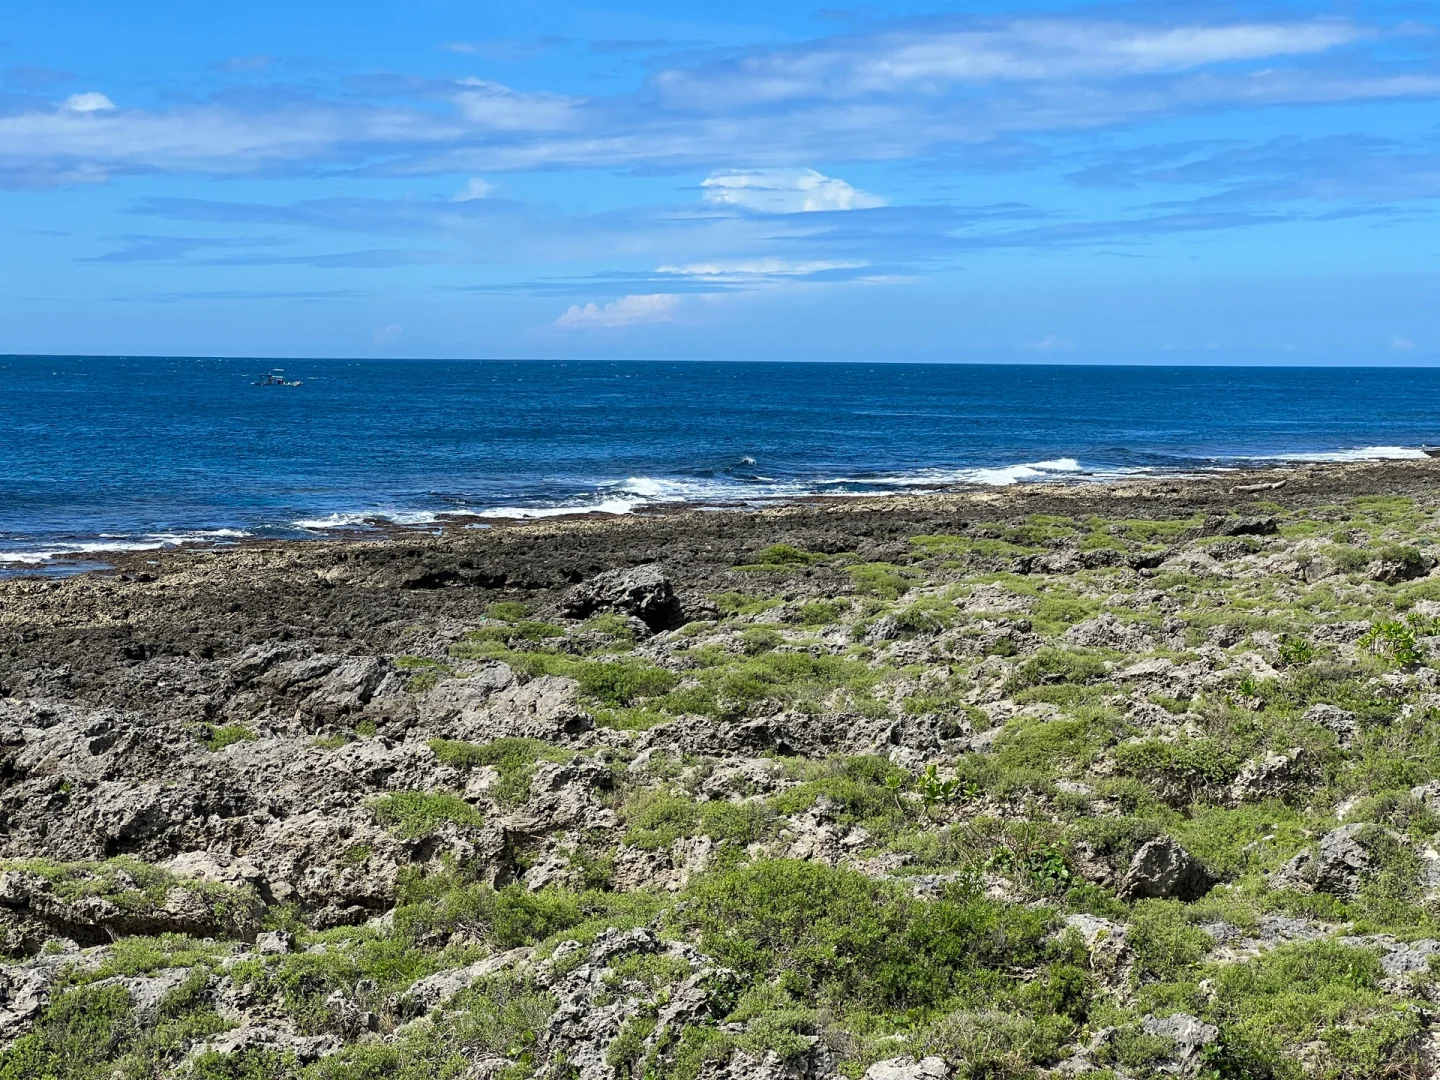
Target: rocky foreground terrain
[{"x": 1111, "y": 781}]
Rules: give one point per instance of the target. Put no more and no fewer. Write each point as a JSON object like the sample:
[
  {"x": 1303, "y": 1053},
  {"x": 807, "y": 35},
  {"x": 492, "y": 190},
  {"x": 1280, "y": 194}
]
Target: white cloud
[
  {"x": 1023, "y": 50},
  {"x": 1402, "y": 344},
  {"x": 785, "y": 191},
  {"x": 627, "y": 311},
  {"x": 913, "y": 88},
  {"x": 388, "y": 335},
  {"x": 474, "y": 188},
  {"x": 88, "y": 103},
  {"x": 763, "y": 268},
  {"x": 497, "y": 107}
]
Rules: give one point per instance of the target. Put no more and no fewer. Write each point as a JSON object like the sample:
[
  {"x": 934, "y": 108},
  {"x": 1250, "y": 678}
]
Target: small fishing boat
[{"x": 277, "y": 378}]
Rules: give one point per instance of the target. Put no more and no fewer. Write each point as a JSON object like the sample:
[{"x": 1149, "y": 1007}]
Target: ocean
[{"x": 102, "y": 454}]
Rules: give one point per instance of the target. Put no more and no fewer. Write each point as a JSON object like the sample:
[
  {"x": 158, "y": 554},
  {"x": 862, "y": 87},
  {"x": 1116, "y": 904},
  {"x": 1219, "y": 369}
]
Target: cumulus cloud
[
  {"x": 388, "y": 335},
  {"x": 627, "y": 311},
  {"x": 89, "y": 103},
  {"x": 785, "y": 191},
  {"x": 1402, "y": 344}
]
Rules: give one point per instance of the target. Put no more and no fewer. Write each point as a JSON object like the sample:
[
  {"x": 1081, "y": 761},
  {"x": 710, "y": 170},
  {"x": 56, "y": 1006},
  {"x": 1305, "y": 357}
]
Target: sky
[{"x": 1057, "y": 182}]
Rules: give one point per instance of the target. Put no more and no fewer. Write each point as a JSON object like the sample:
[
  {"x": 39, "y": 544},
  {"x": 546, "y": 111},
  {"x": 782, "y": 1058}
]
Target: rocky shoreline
[{"x": 1128, "y": 779}]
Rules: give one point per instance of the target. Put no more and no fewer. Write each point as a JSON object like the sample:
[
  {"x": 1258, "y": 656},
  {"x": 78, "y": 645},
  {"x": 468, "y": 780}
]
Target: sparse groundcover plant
[
  {"x": 784, "y": 557},
  {"x": 219, "y": 736},
  {"x": 513, "y": 758}
]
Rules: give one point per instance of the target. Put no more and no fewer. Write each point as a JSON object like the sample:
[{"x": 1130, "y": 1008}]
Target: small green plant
[
  {"x": 936, "y": 792},
  {"x": 760, "y": 639},
  {"x": 1395, "y": 641},
  {"x": 784, "y": 557},
  {"x": 1295, "y": 651}
]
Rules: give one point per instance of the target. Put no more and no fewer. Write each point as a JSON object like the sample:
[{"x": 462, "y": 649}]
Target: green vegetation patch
[
  {"x": 417, "y": 813},
  {"x": 219, "y": 736},
  {"x": 655, "y": 819},
  {"x": 837, "y": 936},
  {"x": 513, "y": 758}
]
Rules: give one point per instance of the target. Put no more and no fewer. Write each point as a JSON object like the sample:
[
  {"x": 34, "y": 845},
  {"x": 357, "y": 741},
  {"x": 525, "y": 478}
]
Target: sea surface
[{"x": 101, "y": 454}]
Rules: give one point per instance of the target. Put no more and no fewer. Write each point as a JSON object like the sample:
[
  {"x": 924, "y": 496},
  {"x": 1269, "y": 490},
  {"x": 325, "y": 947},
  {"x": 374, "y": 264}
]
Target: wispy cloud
[
  {"x": 901, "y": 89},
  {"x": 785, "y": 191},
  {"x": 932, "y": 55},
  {"x": 750, "y": 269},
  {"x": 627, "y": 311},
  {"x": 475, "y": 188}
]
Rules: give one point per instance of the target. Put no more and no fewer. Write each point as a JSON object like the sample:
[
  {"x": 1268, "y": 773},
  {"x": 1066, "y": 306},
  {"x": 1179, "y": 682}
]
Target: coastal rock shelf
[{"x": 1124, "y": 780}]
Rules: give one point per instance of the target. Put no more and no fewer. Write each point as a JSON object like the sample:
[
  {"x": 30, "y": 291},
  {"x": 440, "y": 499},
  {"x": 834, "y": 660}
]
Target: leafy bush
[
  {"x": 819, "y": 613},
  {"x": 1180, "y": 771},
  {"x": 1395, "y": 641},
  {"x": 620, "y": 682},
  {"x": 656, "y": 819},
  {"x": 885, "y": 580},
  {"x": 780, "y": 557}
]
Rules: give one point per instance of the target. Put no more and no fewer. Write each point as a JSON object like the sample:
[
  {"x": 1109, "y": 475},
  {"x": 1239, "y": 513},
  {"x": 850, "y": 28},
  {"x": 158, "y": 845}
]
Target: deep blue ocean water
[{"x": 100, "y": 454}]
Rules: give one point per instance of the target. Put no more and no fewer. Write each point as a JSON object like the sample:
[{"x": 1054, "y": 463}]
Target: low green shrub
[
  {"x": 416, "y": 813},
  {"x": 835, "y": 935}
]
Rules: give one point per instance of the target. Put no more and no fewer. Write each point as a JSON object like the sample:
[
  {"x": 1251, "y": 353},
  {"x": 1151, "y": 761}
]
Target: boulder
[
  {"x": 904, "y": 1068},
  {"x": 642, "y": 591},
  {"x": 1108, "y": 632},
  {"x": 1339, "y": 863},
  {"x": 1241, "y": 526},
  {"x": 1270, "y": 776},
  {"x": 427, "y": 994},
  {"x": 1162, "y": 869}
]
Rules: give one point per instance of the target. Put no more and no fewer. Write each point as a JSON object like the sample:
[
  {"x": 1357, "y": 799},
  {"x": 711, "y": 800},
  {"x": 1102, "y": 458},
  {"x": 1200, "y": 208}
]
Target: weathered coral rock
[
  {"x": 642, "y": 591},
  {"x": 1162, "y": 869}
]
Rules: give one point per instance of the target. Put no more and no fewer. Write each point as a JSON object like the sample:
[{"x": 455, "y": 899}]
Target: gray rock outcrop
[{"x": 1162, "y": 869}]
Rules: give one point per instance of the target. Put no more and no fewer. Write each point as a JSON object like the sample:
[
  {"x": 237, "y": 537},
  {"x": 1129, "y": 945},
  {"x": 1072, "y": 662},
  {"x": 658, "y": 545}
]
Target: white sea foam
[
  {"x": 1364, "y": 453},
  {"x": 112, "y": 544},
  {"x": 360, "y": 519},
  {"x": 1001, "y": 476},
  {"x": 628, "y": 495}
]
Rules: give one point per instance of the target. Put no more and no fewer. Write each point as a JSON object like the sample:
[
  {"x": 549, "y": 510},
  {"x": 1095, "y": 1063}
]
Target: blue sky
[{"x": 1142, "y": 182}]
